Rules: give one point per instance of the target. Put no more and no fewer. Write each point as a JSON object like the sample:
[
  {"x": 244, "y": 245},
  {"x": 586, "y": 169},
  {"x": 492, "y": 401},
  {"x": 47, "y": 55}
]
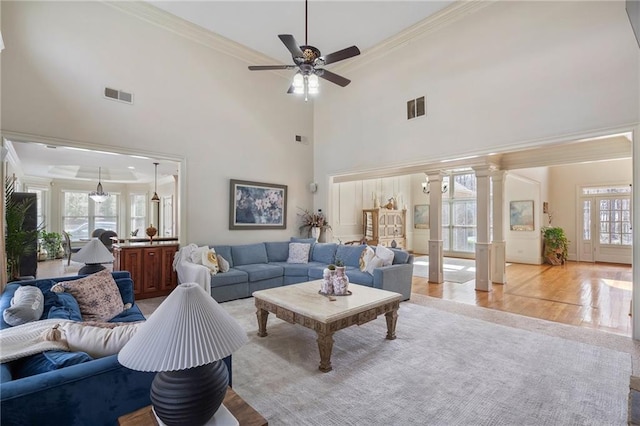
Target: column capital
[
  {"x": 484, "y": 170},
  {"x": 497, "y": 175}
]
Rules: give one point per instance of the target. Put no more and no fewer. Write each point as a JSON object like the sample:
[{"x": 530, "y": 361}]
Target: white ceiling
[{"x": 332, "y": 25}]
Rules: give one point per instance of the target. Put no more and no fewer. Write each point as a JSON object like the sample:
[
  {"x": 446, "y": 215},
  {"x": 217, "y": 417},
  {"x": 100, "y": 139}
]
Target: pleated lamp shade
[
  {"x": 93, "y": 252},
  {"x": 189, "y": 329}
]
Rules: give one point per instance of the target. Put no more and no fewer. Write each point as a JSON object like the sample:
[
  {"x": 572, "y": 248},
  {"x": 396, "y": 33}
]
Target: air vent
[
  {"x": 118, "y": 95},
  {"x": 416, "y": 108}
]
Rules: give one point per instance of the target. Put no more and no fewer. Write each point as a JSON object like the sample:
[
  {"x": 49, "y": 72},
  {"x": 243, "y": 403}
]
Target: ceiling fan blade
[
  {"x": 340, "y": 55},
  {"x": 332, "y": 77},
  {"x": 271, "y": 67},
  {"x": 291, "y": 44}
]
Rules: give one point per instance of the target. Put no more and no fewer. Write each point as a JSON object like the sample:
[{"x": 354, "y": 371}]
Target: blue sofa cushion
[
  {"x": 261, "y": 271},
  {"x": 249, "y": 254},
  {"x": 324, "y": 253},
  {"x": 315, "y": 272},
  {"x": 232, "y": 276},
  {"x": 277, "y": 251},
  {"x": 400, "y": 256},
  {"x": 297, "y": 269},
  {"x": 47, "y": 361},
  {"x": 129, "y": 315},
  {"x": 225, "y": 252},
  {"x": 356, "y": 276},
  {"x": 125, "y": 285},
  {"x": 350, "y": 255},
  {"x": 5, "y": 373},
  {"x": 66, "y": 307}
]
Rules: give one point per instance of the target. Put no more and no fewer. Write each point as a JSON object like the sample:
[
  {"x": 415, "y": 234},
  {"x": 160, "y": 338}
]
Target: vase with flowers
[{"x": 313, "y": 223}]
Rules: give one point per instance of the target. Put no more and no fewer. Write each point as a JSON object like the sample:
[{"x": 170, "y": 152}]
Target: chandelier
[{"x": 99, "y": 195}]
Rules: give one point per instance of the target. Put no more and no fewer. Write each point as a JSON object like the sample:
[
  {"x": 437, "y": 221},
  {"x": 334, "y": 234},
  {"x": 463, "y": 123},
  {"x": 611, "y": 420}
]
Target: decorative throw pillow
[
  {"x": 98, "y": 342},
  {"x": 367, "y": 254},
  {"x": 196, "y": 255},
  {"x": 66, "y": 307},
  {"x": 27, "y": 305},
  {"x": 385, "y": 254},
  {"x": 210, "y": 260},
  {"x": 299, "y": 253},
  {"x": 97, "y": 295},
  {"x": 222, "y": 263},
  {"x": 374, "y": 263}
]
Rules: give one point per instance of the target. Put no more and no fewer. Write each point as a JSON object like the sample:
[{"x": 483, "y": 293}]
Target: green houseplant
[
  {"x": 556, "y": 245},
  {"x": 18, "y": 241},
  {"x": 51, "y": 242}
]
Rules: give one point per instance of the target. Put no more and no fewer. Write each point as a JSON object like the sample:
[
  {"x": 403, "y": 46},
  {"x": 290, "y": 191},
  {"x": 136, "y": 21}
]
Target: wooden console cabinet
[
  {"x": 383, "y": 226},
  {"x": 150, "y": 266}
]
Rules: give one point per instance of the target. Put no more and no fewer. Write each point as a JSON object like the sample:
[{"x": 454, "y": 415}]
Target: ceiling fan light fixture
[
  {"x": 314, "y": 84},
  {"x": 99, "y": 195},
  {"x": 298, "y": 84}
]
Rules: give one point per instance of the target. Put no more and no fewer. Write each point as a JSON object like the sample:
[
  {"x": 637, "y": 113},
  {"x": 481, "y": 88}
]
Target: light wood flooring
[{"x": 594, "y": 295}]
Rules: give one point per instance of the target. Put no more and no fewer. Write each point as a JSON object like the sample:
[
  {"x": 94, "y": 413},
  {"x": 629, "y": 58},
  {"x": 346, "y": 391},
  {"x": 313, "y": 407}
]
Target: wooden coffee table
[{"x": 302, "y": 304}]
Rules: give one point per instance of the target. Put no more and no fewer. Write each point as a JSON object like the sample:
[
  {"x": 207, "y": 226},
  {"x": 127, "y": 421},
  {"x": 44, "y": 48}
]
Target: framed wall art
[
  {"x": 521, "y": 215},
  {"x": 257, "y": 205},
  {"x": 421, "y": 216}
]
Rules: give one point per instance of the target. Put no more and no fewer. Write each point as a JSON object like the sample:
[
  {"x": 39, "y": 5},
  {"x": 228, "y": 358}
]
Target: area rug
[
  {"x": 455, "y": 270},
  {"x": 444, "y": 368}
]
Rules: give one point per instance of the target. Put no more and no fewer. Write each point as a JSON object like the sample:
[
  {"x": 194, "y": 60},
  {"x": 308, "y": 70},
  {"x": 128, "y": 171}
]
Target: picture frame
[
  {"x": 521, "y": 215},
  {"x": 257, "y": 205},
  {"x": 421, "y": 216}
]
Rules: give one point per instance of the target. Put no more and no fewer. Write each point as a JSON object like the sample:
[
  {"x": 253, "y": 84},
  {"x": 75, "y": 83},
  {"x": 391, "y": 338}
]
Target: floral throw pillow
[
  {"x": 298, "y": 253},
  {"x": 97, "y": 295}
]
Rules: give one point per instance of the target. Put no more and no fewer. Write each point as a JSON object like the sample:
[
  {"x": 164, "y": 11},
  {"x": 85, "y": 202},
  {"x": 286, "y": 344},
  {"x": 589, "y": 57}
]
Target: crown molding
[
  {"x": 193, "y": 32},
  {"x": 181, "y": 27}
]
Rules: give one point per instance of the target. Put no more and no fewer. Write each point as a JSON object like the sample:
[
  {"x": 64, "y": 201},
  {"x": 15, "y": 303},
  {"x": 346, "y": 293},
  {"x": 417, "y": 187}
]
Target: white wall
[
  {"x": 513, "y": 74},
  {"x": 523, "y": 246},
  {"x": 190, "y": 102}
]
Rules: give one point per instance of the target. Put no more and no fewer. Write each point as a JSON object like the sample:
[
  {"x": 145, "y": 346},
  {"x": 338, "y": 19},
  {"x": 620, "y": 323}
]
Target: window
[
  {"x": 81, "y": 215},
  {"x": 459, "y": 213},
  {"x": 615, "y": 221},
  {"x": 41, "y": 204},
  {"x": 138, "y": 213}
]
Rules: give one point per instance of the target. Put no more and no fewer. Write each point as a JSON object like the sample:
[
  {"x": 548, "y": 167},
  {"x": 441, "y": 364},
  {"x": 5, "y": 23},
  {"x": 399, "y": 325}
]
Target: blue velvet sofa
[
  {"x": 92, "y": 392},
  {"x": 264, "y": 265}
]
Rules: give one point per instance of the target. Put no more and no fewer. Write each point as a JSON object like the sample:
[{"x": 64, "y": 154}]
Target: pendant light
[
  {"x": 155, "y": 198},
  {"x": 99, "y": 195}
]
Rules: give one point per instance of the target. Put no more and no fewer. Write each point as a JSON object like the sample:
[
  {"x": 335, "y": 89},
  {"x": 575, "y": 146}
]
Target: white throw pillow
[
  {"x": 196, "y": 255},
  {"x": 374, "y": 263},
  {"x": 222, "y": 264},
  {"x": 27, "y": 305},
  {"x": 299, "y": 253},
  {"x": 98, "y": 342},
  {"x": 385, "y": 254},
  {"x": 210, "y": 260},
  {"x": 367, "y": 254}
]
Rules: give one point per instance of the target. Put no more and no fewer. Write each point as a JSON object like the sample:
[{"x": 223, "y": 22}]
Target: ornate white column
[
  {"x": 483, "y": 245},
  {"x": 498, "y": 247},
  {"x": 436, "y": 261}
]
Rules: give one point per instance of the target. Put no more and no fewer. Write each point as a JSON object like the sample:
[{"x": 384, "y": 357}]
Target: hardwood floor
[{"x": 594, "y": 295}]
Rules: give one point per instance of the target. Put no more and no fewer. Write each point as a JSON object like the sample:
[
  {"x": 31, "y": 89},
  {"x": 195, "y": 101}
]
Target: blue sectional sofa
[
  {"x": 92, "y": 392},
  {"x": 264, "y": 265}
]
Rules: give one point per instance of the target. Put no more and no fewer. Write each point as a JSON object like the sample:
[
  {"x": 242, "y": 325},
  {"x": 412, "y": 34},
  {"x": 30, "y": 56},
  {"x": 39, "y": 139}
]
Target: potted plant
[
  {"x": 555, "y": 245},
  {"x": 18, "y": 241},
  {"x": 52, "y": 242}
]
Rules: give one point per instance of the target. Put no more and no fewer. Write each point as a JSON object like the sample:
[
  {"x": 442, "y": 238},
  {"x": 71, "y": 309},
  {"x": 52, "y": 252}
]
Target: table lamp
[
  {"x": 93, "y": 255},
  {"x": 185, "y": 341}
]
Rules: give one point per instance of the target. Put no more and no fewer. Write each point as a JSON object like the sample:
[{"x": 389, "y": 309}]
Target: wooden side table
[{"x": 243, "y": 412}]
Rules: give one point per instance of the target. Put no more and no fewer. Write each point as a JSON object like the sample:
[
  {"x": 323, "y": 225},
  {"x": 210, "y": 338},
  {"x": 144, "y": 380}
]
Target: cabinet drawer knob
[{"x": 152, "y": 254}]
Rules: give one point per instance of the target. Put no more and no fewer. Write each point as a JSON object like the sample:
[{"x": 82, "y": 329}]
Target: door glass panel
[{"x": 586, "y": 220}]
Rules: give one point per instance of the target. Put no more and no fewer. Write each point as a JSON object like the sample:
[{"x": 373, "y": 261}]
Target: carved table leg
[
  {"x": 262, "y": 321},
  {"x": 325, "y": 346},
  {"x": 392, "y": 319}
]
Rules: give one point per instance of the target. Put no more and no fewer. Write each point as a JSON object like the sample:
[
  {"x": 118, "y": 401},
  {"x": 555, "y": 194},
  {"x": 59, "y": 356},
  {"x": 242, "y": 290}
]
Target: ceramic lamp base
[
  {"x": 91, "y": 268},
  {"x": 189, "y": 397}
]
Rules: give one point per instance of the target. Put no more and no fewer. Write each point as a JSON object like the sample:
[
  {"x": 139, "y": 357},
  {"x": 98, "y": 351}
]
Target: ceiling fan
[{"x": 307, "y": 59}]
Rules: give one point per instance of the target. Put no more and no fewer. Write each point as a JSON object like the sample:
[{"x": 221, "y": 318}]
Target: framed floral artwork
[{"x": 256, "y": 205}]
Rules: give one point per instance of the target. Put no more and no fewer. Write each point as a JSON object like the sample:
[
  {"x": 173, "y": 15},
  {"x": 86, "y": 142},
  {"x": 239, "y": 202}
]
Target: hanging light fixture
[
  {"x": 99, "y": 195},
  {"x": 155, "y": 198}
]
